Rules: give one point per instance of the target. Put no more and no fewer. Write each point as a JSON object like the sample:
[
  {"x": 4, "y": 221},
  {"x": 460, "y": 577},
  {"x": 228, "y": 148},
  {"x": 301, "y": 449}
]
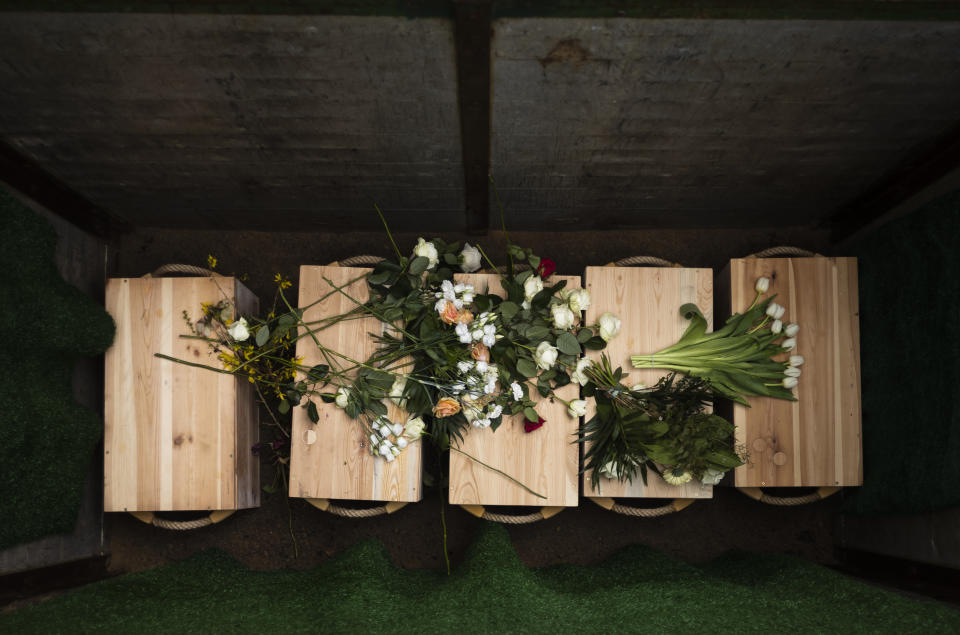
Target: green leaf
[
  {"x": 508, "y": 310},
  {"x": 583, "y": 335},
  {"x": 318, "y": 372},
  {"x": 379, "y": 278},
  {"x": 526, "y": 367},
  {"x": 536, "y": 333},
  {"x": 312, "y": 412},
  {"x": 567, "y": 343},
  {"x": 284, "y": 407},
  {"x": 451, "y": 259},
  {"x": 595, "y": 343},
  {"x": 263, "y": 334},
  {"x": 531, "y": 414},
  {"x": 418, "y": 265}
]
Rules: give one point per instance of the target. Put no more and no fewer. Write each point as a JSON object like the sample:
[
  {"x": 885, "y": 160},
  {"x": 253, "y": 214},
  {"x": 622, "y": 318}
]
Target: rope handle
[
  {"x": 358, "y": 261},
  {"x": 182, "y": 525},
  {"x": 324, "y": 505},
  {"x": 673, "y": 506},
  {"x": 643, "y": 261},
  {"x": 757, "y": 494},
  {"x": 785, "y": 251},
  {"x": 167, "y": 269},
  {"x": 542, "y": 513}
]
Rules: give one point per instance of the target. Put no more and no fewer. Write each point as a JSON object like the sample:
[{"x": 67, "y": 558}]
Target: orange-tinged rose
[
  {"x": 446, "y": 407},
  {"x": 480, "y": 352},
  {"x": 449, "y": 314},
  {"x": 464, "y": 317}
]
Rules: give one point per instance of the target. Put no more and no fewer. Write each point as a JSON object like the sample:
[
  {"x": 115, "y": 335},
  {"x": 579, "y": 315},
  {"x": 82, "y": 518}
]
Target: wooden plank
[
  {"x": 332, "y": 459},
  {"x": 170, "y": 437},
  {"x": 545, "y": 460},
  {"x": 814, "y": 441},
  {"x": 248, "y": 422},
  {"x": 647, "y": 300}
]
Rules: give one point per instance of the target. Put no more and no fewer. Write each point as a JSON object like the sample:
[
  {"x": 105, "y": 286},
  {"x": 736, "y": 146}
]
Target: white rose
[
  {"x": 428, "y": 251},
  {"x": 712, "y": 477},
  {"x": 396, "y": 391},
  {"x": 532, "y": 286},
  {"x": 343, "y": 397},
  {"x": 238, "y": 330},
  {"x": 578, "y": 375},
  {"x": 413, "y": 429},
  {"x": 469, "y": 258},
  {"x": 578, "y": 300},
  {"x": 577, "y": 408},
  {"x": 562, "y": 316},
  {"x": 609, "y": 326},
  {"x": 545, "y": 355}
]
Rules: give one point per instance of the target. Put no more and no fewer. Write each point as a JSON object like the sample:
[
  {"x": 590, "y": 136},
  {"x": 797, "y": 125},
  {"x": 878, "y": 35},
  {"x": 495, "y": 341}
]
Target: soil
[{"x": 291, "y": 533}]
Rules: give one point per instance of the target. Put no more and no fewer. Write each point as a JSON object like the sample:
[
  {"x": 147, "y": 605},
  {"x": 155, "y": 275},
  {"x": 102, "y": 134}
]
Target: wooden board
[
  {"x": 647, "y": 300},
  {"x": 338, "y": 463},
  {"x": 176, "y": 438},
  {"x": 544, "y": 460},
  {"x": 814, "y": 441}
]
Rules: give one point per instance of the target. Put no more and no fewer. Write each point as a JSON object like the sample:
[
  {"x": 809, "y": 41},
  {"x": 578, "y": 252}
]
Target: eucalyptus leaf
[{"x": 263, "y": 335}]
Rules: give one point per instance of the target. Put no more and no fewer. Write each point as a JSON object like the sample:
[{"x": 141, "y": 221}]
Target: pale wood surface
[
  {"x": 814, "y": 441},
  {"x": 544, "y": 460},
  {"x": 647, "y": 300},
  {"x": 338, "y": 463},
  {"x": 176, "y": 437}
]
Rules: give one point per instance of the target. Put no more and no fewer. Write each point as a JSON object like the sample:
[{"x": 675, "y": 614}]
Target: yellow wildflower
[{"x": 211, "y": 261}]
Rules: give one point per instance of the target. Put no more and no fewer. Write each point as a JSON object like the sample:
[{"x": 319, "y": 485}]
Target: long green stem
[
  {"x": 502, "y": 473},
  {"x": 389, "y": 235}
]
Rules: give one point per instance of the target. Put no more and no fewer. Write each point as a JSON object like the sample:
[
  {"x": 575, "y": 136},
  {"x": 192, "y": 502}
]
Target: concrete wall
[{"x": 267, "y": 122}]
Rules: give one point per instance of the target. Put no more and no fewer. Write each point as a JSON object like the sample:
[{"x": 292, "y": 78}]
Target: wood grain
[
  {"x": 337, "y": 463},
  {"x": 647, "y": 300},
  {"x": 544, "y": 460},
  {"x": 176, "y": 438},
  {"x": 814, "y": 441}
]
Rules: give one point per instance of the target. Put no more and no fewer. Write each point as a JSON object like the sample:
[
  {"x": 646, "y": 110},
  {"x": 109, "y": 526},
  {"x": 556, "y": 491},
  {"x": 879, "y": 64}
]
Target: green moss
[
  {"x": 909, "y": 340},
  {"x": 638, "y": 590},
  {"x": 48, "y": 439}
]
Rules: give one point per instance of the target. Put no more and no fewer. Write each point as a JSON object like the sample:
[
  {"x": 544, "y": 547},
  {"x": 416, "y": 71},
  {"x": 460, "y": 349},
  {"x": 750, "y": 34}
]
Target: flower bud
[
  {"x": 763, "y": 284},
  {"x": 790, "y": 382},
  {"x": 402, "y": 442},
  {"x": 397, "y": 429},
  {"x": 791, "y": 329},
  {"x": 780, "y": 311},
  {"x": 788, "y": 344},
  {"x": 577, "y": 408},
  {"x": 772, "y": 309},
  {"x": 796, "y": 360},
  {"x": 776, "y": 327},
  {"x": 385, "y": 431},
  {"x": 792, "y": 371}
]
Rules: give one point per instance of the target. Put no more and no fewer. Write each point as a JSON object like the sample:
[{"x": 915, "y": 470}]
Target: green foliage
[{"x": 48, "y": 439}]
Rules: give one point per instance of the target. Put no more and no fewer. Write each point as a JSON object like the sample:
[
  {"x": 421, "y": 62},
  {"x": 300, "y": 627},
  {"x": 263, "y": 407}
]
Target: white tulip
[
  {"x": 791, "y": 329},
  {"x": 428, "y": 251},
  {"x": 780, "y": 311},
  {"x": 796, "y": 360},
  {"x": 763, "y": 284},
  {"x": 609, "y": 326},
  {"x": 791, "y": 371},
  {"x": 396, "y": 429},
  {"x": 578, "y": 375},
  {"x": 343, "y": 397},
  {"x": 788, "y": 344},
  {"x": 577, "y": 408},
  {"x": 772, "y": 309},
  {"x": 790, "y": 382},
  {"x": 562, "y": 316},
  {"x": 532, "y": 286},
  {"x": 384, "y": 449},
  {"x": 385, "y": 430},
  {"x": 776, "y": 326},
  {"x": 238, "y": 330},
  {"x": 545, "y": 355},
  {"x": 577, "y": 299},
  {"x": 469, "y": 259}
]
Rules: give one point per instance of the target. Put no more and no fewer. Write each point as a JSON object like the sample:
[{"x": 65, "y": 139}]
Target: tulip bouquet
[{"x": 738, "y": 360}]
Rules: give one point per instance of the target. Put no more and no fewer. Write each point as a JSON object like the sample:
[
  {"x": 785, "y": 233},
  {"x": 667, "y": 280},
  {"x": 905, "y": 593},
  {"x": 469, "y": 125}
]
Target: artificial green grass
[
  {"x": 361, "y": 590},
  {"x": 48, "y": 439},
  {"x": 909, "y": 343}
]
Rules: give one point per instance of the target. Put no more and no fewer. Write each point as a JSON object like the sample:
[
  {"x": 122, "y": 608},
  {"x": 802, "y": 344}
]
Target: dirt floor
[{"x": 264, "y": 538}]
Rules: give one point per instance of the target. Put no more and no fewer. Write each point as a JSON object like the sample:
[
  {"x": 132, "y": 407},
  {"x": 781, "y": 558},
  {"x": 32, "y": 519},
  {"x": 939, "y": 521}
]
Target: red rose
[
  {"x": 546, "y": 268},
  {"x": 529, "y": 426}
]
